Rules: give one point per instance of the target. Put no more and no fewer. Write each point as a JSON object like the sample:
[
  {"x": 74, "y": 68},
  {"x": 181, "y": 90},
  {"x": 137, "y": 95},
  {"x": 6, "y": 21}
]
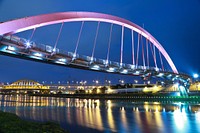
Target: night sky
[{"x": 174, "y": 23}]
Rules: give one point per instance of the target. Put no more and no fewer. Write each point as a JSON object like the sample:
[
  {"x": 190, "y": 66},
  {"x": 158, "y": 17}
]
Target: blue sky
[{"x": 174, "y": 23}]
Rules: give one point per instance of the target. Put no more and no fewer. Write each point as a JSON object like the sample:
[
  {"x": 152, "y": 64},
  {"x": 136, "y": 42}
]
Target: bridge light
[
  {"x": 37, "y": 54},
  {"x": 124, "y": 71},
  {"x": 169, "y": 75},
  {"x": 137, "y": 72},
  {"x": 132, "y": 66},
  {"x": 96, "y": 81},
  {"x": 74, "y": 56},
  {"x": 121, "y": 81},
  {"x": 95, "y": 67},
  {"x": 54, "y": 50},
  {"x": 195, "y": 75},
  {"x": 11, "y": 48},
  {"x": 91, "y": 59},
  {"x": 106, "y": 62},
  {"x": 157, "y": 69},
  {"x": 121, "y": 65},
  {"x": 160, "y": 74},
  {"x": 111, "y": 69},
  {"x": 62, "y": 60},
  {"x": 28, "y": 44}
]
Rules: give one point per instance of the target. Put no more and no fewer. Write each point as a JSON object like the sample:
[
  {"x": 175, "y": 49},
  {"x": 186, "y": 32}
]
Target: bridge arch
[
  {"x": 25, "y": 85},
  {"x": 27, "y": 23}
]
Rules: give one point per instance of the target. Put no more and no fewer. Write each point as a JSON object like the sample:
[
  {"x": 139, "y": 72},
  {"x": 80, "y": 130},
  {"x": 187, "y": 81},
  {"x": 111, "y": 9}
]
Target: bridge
[
  {"x": 25, "y": 86},
  {"x": 148, "y": 57}
]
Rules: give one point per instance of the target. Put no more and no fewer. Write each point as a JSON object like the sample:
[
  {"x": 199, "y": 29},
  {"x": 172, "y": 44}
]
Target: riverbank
[
  {"x": 11, "y": 123},
  {"x": 133, "y": 97}
]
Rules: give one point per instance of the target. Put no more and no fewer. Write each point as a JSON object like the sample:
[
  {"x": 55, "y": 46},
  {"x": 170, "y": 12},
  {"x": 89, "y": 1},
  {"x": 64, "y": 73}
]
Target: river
[{"x": 93, "y": 116}]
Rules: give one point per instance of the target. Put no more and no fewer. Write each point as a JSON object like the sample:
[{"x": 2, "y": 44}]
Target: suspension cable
[
  {"x": 147, "y": 52},
  {"x": 110, "y": 37},
  {"x": 153, "y": 54},
  {"x": 138, "y": 49},
  {"x": 32, "y": 34},
  {"x": 154, "y": 51},
  {"x": 95, "y": 40},
  {"x": 143, "y": 58},
  {"x": 132, "y": 39},
  {"x": 78, "y": 38},
  {"x": 122, "y": 43},
  {"x": 58, "y": 36},
  {"x": 161, "y": 61}
]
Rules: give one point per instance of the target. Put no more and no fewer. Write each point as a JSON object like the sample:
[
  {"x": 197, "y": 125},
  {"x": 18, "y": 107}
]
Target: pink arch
[{"x": 27, "y": 23}]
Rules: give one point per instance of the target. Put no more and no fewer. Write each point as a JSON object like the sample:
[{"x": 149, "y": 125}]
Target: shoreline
[{"x": 10, "y": 122}]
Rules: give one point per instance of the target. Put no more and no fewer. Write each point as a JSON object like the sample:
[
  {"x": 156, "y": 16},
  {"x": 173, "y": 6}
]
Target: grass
[{"x": 11, "y": 123}]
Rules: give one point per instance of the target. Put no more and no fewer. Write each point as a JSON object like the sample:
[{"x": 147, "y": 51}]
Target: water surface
[{"x": 88, "y": 115}]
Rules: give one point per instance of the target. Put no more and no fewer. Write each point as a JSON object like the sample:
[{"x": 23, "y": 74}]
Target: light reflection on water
[{"x": 89, "y": 115}]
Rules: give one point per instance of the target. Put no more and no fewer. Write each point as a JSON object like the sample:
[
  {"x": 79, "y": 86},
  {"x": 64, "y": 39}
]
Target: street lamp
[
  {"x": 121, "y": 81},
  {"x": 136, "y": 81}
]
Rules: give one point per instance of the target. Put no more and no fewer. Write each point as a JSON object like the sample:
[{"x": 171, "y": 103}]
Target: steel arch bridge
[
  {"x": 141, "y": 42},
  {"x": 25, "y": 85}
]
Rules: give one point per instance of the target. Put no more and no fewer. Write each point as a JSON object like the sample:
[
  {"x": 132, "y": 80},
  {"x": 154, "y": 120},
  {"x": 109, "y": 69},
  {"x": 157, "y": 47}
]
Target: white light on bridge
[
  {"x": 120, "y": 65},
  {"x": 169, "y": 76},
  {"x": 62, "y": 60},
  {"x": 37, "y": 54},
  {"x": 137, "y": 72},
  {"x": 157, "y": 69},
  {"x": 106, "y": 62},
  {"x": 95, "y": 67},
  {"x": 160, "y": 74},
  {"x": 28, "y": 44},
  {"x": 54, "y": 50},
  {"x": 124, "y": 71},
  {"x": 195, "y": 75},
  {"x": 11, "y": 48},
  {"x": 91, "y": 59},
  {"x": 74, "y": 55},
  {"x": 111, "y": 69},
  {"x": 132, "y": 66}
]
